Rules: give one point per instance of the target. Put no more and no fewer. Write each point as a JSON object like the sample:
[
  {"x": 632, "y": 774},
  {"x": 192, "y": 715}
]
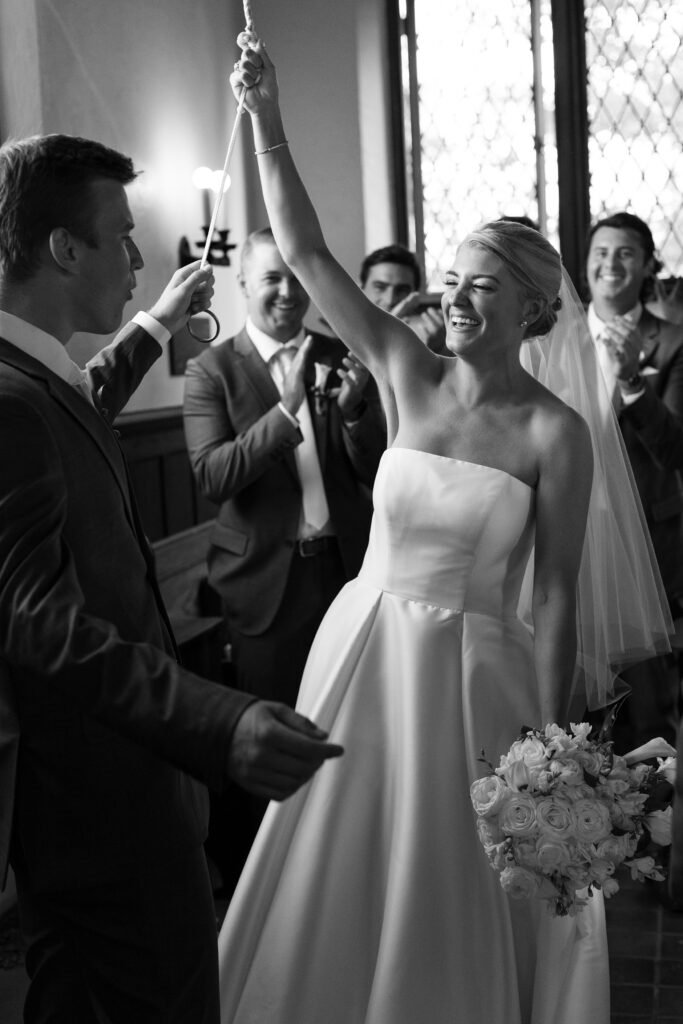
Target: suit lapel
[
  {"x": 81, "y": 412},
  {"x": 104, "y": 437},
  {"x": 650, "y": 331}
]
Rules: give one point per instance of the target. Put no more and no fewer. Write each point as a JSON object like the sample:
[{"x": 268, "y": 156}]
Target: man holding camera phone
[{"x": 391, "y": 278}]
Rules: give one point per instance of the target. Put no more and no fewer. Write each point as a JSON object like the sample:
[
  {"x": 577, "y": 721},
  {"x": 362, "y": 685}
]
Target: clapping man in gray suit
[
  {"x": 105, "y": 741},
  {"x": 285, "y": 433}
]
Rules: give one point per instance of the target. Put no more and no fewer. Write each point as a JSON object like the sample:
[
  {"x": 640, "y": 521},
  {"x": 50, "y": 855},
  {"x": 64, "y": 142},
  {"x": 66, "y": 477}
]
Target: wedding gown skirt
[{"x": 367, "y": 897}]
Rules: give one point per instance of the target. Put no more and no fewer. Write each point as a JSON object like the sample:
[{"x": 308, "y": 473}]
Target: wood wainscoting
[
  {"x": 167, "y": 496},
  {"x": 177, "y": 521}
]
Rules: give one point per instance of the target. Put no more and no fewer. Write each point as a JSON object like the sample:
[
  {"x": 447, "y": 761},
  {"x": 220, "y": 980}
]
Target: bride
[{"x": 367, "y": 898}]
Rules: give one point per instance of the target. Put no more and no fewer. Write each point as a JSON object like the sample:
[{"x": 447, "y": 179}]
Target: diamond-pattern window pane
[
  {"x": 634, "y": 55},
  {"x": 475, "y": 71}
]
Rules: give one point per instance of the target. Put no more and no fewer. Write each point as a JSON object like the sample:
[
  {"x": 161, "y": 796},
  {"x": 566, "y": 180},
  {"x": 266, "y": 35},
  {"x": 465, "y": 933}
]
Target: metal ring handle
[{"x": 205, "y": 341}]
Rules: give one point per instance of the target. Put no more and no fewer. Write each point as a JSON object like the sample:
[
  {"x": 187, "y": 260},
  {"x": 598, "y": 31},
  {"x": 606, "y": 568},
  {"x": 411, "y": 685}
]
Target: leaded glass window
[
  {"x": 481, "y": 119},
  {"x": 634, "y": 56}
]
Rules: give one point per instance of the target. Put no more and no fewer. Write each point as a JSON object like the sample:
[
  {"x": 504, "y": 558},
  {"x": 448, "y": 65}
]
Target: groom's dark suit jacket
[
  {"x": 652, "y": 428},
  {"x": 100, "y": 728},
  {"x": 242, "y": 452}
]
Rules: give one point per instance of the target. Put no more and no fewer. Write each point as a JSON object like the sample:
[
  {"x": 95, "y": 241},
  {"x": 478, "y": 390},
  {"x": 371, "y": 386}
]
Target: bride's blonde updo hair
[{"x": 532, "y": 261}]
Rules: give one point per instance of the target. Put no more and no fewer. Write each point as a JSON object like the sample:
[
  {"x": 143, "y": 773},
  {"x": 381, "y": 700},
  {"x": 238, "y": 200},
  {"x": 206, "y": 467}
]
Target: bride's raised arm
[{"x": 380, "y": 340}]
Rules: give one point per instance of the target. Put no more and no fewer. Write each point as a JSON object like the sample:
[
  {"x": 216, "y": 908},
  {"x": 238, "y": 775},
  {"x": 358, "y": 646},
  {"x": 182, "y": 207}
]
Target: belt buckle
[
  {"x": 309, "y": 547},
  {"x": 304, "y": 544}
]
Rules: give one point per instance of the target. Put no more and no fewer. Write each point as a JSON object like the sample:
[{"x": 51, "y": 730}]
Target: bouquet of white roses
[{"x": 562, "y": 812}]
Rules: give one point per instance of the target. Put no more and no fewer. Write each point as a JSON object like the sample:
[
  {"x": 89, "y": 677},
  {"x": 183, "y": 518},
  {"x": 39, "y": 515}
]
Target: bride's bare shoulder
[{"x": 557, "y": 427}]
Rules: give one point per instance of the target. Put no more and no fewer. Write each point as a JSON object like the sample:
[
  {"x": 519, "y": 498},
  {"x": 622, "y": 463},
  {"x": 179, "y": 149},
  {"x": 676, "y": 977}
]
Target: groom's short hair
[{"x": 44, "y": 184}]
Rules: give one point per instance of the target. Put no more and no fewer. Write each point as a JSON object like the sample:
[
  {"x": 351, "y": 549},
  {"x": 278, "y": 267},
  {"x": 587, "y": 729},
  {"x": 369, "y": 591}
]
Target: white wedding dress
[{"x": 367, "y": 898}]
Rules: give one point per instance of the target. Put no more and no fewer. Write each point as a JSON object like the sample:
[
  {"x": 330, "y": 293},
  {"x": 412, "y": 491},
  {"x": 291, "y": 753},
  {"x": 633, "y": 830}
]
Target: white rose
[
  {"x": 560, "y": 743},
  {"x": 499, "y": 856},
  {"x": 593, "y": 821},
  {"x": 568, "y": 771},
  {"x": 552, "y": 854},
  {"x": 557, "y": 738},
  {"x": 489, "y": 832},
  {"x": 610, "y": 788},
  {"x": 518, "y": 816},
  {"x": 525, "y": 852},
  {"x": 554, "y": 817},
  {"x": 574, "y": 793},
  {"x": 591, "y": 761},
  {"x": 516, "y": 774},
  {"x": 530, "y": 749},
  {"x": 519, "y": 883},
  {"x": 488, "y": 795},
  {"x": 614, "y": 848}
]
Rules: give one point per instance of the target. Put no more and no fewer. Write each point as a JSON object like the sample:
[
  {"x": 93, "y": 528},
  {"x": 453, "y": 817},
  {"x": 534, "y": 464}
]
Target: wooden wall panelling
[{"x": 154, "y": 445}]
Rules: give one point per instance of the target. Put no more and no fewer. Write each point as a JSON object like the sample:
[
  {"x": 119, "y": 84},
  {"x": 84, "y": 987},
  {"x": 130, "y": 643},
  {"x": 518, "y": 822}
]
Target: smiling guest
[
  {"x": 391, "y": 278},
  {"x": 285, "y": 434},
  {"x": 642, "y": 361}
]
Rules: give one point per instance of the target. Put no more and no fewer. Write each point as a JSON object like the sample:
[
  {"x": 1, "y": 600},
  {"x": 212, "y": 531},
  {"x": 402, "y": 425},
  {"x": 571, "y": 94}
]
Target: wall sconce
[{"x": 209, "y": 182}]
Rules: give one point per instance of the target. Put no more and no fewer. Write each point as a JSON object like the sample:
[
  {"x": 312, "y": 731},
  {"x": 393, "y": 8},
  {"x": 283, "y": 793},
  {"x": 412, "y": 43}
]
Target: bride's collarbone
[{"x": 500, "y": 447}]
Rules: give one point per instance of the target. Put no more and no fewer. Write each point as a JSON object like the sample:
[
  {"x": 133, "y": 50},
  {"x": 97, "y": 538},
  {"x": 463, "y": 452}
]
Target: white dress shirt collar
[
  {"x": 267, "y": 346},
  {"x": 40, "y": 345},
  {"x": 596, "y": 324}
]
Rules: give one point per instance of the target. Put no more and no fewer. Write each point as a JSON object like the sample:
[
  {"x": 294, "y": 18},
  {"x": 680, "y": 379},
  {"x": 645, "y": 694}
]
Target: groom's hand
[
  {"x": 189, "y": 291},
  {"x": 274, "y": 750}
]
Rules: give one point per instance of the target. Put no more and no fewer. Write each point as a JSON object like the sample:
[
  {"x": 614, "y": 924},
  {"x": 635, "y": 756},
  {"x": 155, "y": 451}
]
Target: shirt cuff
[
  {"x": 292, "y": 419},
  {"x": 160, "y": 334}
]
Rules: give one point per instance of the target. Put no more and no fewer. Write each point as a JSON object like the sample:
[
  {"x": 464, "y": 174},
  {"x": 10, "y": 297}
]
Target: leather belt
[{"x": 309, "y": 547}]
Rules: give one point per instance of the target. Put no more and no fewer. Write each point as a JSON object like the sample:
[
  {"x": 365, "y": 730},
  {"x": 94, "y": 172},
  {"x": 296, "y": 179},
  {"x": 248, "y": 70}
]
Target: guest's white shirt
[{"x": 268, "y": 348}]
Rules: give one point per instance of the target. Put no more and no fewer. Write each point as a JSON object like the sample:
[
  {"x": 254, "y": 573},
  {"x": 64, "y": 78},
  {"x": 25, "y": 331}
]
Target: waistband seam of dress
[
  {"x": 495, "y": 613},
  {"x": 411, "y": 597}
]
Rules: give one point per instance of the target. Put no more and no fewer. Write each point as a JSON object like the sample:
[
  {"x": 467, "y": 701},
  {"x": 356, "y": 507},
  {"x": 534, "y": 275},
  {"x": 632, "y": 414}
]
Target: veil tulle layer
[{"x": 622, "y": 612}]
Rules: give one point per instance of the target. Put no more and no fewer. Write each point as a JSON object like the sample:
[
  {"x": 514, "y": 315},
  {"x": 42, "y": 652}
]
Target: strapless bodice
[{"x": 450, "y": 533}]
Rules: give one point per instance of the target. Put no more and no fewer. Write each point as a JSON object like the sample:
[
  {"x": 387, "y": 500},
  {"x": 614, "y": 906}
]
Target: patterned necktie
[
  {"x": 607, "y": 371},
  {"x": 315, "y": 508}
]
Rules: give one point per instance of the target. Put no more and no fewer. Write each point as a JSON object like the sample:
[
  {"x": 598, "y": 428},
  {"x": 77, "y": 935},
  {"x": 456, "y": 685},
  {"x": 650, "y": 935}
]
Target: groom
[{"x": 104, "y": 738}]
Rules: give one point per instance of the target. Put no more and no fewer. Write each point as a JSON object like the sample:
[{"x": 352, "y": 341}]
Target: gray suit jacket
[{"x": 242, "y": 452}]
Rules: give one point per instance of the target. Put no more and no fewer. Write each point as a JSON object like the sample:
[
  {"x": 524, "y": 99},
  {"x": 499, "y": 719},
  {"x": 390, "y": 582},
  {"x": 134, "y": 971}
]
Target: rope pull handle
[{"x": 249, "y": 28}]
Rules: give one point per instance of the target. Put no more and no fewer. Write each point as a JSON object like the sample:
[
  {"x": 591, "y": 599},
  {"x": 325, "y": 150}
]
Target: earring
[{"x": 524, "y": 323}]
